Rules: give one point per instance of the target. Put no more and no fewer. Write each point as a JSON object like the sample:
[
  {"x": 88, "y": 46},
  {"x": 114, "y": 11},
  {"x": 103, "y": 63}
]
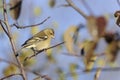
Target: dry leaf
[
  {"x": 112, "y": 51},
  {"x": 90, "y": 57},
  {"x": 96, "y": 26},
  {"x": 68, "y": 38},
  {"x": 117, "y": 15},
  {"x": 52, "y": 3},
  {"x": 15, "y": 8}
]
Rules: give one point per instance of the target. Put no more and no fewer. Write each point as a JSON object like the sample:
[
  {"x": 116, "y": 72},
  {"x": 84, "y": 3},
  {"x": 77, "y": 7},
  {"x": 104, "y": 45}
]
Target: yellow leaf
[
  {"x": 49, "y": 52},
  {"x": 72, "y": 69},
  {"x": 15, "y": 36},
  {"x": 24, "y": 54},
  {"x": 11, "y": 69},
  {"x": 112, "y": 51},
  {"x": 15, "y": 8},
  {"x": 34, "y": 30},
  {"x": 37, "y": 11},
  {"x": 89, "y": 56},
  {"x": 52, "y": 3},
  {"x": 51, "y": 58},
  {"x": 100, "y": 62},
  {"x": 68, "y": 38}
]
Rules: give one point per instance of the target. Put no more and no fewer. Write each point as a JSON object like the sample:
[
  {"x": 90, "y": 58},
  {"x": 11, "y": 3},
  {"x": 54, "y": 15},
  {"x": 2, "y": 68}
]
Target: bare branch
[
  {"x": 42, "y": 51},
  {"x": 34, "y": 25},
  {"x": 11, "y": 40},
  {"x": 76, "y": 8},
  {"x": 9, "y": 76},
  {"x": 4, "y": 28}
]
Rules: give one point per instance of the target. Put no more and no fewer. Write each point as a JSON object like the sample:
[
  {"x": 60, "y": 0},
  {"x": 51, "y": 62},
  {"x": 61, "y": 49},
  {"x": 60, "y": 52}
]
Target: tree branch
[
  {"x": 76, "y": 8},
  {"x": 34, "y": 25},
  {"x": 11, "y": 40},
  {"x": 42, "y": 51},
  {"x": 37, "y": 74}
]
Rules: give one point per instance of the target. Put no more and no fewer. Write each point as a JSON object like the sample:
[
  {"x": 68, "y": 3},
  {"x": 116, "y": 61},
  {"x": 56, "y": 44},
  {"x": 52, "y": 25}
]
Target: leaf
[
  {"x": 68, "y": 38},
  {"x": 100, "y": 62},
  {"x": 34, "y": 30},
  {"x": 96, "y": 26},
  {"x": 24, "y": 54},
  {"x": 11, "y": 69},
  {"x": 15, "y": 36},
  {"x": 37, "y": 11},
  {"x": 15, "y": 8},
  {"x": 111, "y": 51},
  {"x": 92, "y": 27},
  {"x": 72, "y": 69},
  {"x": 60, "y": 74},
  {"x": 51, "y": 58},
  {"x": 89, "y": 58},
  {"x": 101, "y": 23},
  {"x": 52, "y": 3},
  {"x": 117, "y": 15}
]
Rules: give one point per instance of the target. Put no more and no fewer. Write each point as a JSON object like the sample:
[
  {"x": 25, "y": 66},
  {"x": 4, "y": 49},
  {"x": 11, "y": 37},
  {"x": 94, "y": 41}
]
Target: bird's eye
[{"x": 51, "y": 33}]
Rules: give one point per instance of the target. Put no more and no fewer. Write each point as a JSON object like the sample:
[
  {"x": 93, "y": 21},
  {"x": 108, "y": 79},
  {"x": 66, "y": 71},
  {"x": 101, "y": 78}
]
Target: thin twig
[
  {"x": 4, "y": 28},
  {"x": 9, "y": 76},
  {"x": 11, "y": 40},
  {"x": 76, "y": 8},
  {"x": 34, "y": 25},
  {"x": 42, "y": 51}
]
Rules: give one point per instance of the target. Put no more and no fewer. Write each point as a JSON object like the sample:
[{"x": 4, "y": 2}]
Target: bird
[{"x": 39, "y": 41}]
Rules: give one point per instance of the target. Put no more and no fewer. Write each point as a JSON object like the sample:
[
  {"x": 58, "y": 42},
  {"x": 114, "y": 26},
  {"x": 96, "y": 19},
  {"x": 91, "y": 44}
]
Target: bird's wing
[{"x": 35, "y": 39}]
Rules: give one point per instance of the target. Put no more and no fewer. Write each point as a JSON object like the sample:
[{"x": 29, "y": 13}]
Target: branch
[
  {"x": 4, "y": 28},
  {"x": 76, "y": 8},
  {"x": 11, "y": 40},
  {"x": 37, "y": 74},
  {"x": 42, "y": 51},
  {"x": 34, "y": 25},
  {"x": 9, "y": 76}
]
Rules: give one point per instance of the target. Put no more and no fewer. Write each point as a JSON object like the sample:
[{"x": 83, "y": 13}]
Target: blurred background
[{"x": 94, "y": 37}]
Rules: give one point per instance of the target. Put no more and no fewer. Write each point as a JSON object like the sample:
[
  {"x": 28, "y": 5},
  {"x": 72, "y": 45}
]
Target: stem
[
  {"x": 42, "y": 51},
  {"x": 12, "y": 41},
  {"x": 34, "y": 25}
]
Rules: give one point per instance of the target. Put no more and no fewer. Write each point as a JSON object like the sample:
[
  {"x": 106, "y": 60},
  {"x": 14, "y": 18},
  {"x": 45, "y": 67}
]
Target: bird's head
[{"x": 50, "y": 32}]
